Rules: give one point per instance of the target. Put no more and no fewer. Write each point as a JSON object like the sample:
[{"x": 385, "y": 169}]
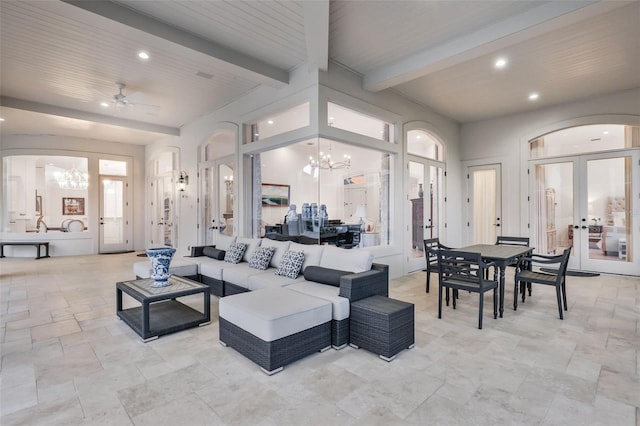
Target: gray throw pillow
[
  {"x": 291, "y": 264},
  {"x": 235, "y": 253},
  {"x": 261, "y": 258}
]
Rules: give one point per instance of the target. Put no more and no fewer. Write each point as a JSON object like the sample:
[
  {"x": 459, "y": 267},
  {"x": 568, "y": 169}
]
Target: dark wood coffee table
[{"x": 160, "y": 312}]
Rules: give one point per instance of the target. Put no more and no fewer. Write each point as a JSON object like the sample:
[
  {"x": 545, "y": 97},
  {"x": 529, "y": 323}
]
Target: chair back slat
[
  {"x": 512, "y": 241},
  {"x": 462, "y": 267}
]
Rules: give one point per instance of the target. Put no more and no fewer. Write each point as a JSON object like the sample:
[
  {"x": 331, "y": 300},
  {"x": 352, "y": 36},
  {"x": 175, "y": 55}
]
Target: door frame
[
  {"x": 126, "y": 214},
  {"x": 580, "y": 259},
  {"x": 418, "y": 263},
  {"x": 499, "y": 223},
  {"x": 216, "y": 191}
]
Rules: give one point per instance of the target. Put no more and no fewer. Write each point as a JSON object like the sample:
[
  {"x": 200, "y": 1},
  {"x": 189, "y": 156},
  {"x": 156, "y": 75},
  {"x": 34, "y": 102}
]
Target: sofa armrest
[
  {"x": 196, "y": 251},
  {"x": 365, "y": 284}
]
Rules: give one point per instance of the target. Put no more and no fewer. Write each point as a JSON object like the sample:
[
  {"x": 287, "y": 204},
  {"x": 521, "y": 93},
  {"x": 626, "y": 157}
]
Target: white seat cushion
[
  {"x": 354, "y": 260},
  {"x": 211, "y": 268},
  {"x": 274, "y": 313},
  {"x": 340, "y": 305},
  {"x": 177, "y": 267},
  {"x": 269, "y": 279},
  {"x": 238, "y": 273}
]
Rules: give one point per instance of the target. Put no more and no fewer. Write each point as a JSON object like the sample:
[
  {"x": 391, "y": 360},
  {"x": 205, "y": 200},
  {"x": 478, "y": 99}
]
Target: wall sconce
[{"x": 183, "y": 181}]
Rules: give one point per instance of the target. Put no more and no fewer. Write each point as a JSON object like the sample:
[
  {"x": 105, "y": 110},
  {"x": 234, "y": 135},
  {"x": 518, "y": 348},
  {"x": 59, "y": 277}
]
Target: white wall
[
  {"x": 92, "y": 149},
  {"x": 505, "y": 139},
  {"x": 302, "y": 83}
]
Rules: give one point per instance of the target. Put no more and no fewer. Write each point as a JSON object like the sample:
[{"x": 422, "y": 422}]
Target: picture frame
[
  {"x": 72, "y": 206},
  {"x": 38, "y": 205},
  {"x": 275, "y": 195}
]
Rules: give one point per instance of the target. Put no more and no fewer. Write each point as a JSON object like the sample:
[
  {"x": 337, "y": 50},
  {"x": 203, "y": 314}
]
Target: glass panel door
[
  {"x": 113, "y": 221},
  {"x": 217, "y": 200},
  {"x": 485, "y": 203},
  {"x": 585, "y": 202},
  {"x": 426, "y": 182}
]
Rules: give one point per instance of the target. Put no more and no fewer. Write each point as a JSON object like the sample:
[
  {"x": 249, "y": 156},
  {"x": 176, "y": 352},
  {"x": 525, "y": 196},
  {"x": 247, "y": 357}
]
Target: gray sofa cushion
[
  {"x": 323, "y": 275},
  {"x": 340, "y": 305},
  {"x": 213, "y": 253}
]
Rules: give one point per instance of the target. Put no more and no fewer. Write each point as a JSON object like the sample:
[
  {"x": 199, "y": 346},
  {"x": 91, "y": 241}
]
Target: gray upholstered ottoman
[
  {"x": 382, "y": 325},
  {"x": 274, "y": 327},
  {"x": 179, "y": 267}
]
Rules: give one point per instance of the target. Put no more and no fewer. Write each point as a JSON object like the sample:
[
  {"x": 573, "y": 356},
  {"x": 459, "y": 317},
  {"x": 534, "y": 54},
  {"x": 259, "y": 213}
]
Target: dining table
[{"x": 502, "y": 255}]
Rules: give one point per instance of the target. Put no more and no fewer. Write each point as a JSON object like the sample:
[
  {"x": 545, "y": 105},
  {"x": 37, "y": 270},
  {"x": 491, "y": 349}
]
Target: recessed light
[
  {"x": 143, "y": 55},
  {"x": 605, "y": 133},
  {"x": 534, "y": 96},
  {"x": 104, "y": 104},
  {"x": 1, "y": 119},
  {"x": 500, "y": 63},
  {"x": 331, "y": 118},
  {"x": 419, "y": 137},
  {"x": 270, "y": 122}
]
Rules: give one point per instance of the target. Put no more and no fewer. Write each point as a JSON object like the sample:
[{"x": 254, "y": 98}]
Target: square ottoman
[
  {"x": 382, "y": 325},
  {"x": 274, "y": 327}
]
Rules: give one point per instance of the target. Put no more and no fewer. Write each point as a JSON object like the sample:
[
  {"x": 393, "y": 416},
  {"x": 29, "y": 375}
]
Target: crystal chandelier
[
  {"x": 326, "y": 163},
  {"x": 72, "y": 179}
]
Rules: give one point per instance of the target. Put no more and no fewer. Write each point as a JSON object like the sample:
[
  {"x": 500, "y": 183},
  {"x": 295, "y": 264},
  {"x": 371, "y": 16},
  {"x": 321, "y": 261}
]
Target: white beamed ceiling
[{"x": 59, "y": 60}]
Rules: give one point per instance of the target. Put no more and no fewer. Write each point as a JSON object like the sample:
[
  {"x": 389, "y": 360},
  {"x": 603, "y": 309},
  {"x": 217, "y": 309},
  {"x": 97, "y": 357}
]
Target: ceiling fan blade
[
  {"x": 135, "y": 97},
  {"x": 102, "y": 94},
  {"x": 145, "y": 106}
]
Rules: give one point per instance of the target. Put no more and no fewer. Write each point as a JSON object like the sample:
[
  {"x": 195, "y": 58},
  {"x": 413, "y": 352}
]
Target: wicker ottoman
[
  {"x": 381, "y": 325},
  {"x": 179, "y": 267},
  {"x": 274, "y": 327}
]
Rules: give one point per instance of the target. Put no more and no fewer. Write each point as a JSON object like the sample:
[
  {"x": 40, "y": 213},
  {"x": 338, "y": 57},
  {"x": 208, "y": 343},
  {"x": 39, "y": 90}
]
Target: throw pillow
[
  {"x": 324, "y": 275},
  {"x": 213, "y": 253},
  {"x": 290, "y": 264},
  {"x": 235, "y": 253},
  {"x": 261, "y": 258}
]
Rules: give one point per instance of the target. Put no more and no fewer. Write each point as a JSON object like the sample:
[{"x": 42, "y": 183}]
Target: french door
[
  {"x": 425, "y": 207},
  {"x": 485, "y": 203},
  {"x": 586, "y": 202},
  {"x": 217, "y": 182},
  {"x": 162, "y": 211},
  {"x": 114, "y": 223}
]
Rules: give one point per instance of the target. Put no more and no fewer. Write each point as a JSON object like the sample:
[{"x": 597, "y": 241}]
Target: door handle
[
  {"x": 576, "y": 227},
  {"x": 584, "y": 227},
  {"x": 497, "y": 224}
]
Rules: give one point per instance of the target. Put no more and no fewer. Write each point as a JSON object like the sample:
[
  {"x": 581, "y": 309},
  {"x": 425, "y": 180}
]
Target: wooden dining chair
[
  {"x": 526, "y": 276},
  {"x": 461, "y": 270},
  {"x": 513, "y": 241}
]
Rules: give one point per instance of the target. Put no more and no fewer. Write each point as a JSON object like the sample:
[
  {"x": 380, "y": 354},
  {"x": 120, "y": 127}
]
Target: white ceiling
[{"x": 59, "y": 59}]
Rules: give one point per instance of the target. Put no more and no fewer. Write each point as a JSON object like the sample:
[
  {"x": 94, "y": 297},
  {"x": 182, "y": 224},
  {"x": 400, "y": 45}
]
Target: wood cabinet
[{"x": 417, "y": 223}]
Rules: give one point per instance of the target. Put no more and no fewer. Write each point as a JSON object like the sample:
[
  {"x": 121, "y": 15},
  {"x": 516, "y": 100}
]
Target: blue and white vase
[{"x": 160, "y": 260}]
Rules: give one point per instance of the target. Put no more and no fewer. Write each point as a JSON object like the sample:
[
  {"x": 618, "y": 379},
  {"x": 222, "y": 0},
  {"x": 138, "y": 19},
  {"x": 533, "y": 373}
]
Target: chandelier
[
  {"x": 72, "y": 179},
  {"x": 326, "y": 163}
]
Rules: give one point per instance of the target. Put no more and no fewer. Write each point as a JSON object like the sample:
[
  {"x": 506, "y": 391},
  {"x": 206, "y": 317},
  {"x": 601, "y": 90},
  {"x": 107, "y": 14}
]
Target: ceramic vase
[{"x": 160, "y": 261}]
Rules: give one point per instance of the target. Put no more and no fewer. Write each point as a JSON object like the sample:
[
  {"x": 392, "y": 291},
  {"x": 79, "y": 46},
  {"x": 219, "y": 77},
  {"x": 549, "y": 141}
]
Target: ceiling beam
[
  {"x": 316, "y": 31},
  {"x": 256, "y": 69},
  {"x": 86, "y": 116},
  {"x": 499, "y": 35}
]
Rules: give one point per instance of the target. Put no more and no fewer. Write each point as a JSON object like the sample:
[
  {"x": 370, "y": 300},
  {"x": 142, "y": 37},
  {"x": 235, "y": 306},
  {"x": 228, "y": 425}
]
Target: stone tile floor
[{"x": 67, "y": 359}]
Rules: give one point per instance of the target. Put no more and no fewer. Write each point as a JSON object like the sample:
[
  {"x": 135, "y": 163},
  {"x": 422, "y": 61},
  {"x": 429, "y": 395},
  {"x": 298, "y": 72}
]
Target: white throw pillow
[{"x": 224, "y": 241}]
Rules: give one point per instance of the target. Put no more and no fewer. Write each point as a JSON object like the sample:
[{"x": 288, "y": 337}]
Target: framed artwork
[
  {"x": 72, "y": 206},
  {"x": 274, "y": 195},
  {"x": 38, "y": 205}
]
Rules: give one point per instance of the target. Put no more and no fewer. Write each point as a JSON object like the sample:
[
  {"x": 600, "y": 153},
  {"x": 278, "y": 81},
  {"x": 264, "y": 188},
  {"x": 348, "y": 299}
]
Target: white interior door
[
  {"x": 485, "y": 203},
  {"x": 217, "y": 186},
  {"x": 114, "y": 221},
  {"x": 162, "y": 211}
]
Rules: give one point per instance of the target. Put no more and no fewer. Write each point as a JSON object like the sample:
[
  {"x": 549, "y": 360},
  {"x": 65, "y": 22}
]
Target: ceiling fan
[{"x": 122, "y": 101}]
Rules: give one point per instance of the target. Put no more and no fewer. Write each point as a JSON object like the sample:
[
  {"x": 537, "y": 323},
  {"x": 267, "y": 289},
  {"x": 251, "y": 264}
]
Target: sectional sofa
[{"x": 339, "y": 276}]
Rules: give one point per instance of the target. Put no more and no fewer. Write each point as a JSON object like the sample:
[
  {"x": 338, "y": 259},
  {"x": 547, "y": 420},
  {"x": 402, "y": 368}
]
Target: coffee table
[{"x": 160, "y": 313}]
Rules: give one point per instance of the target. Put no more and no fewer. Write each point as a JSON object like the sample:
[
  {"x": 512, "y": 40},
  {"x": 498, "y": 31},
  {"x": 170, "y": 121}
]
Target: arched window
[{"x": 424, "y": 144}]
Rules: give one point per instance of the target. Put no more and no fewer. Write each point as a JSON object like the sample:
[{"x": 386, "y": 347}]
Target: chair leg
[
  {"x": 564, "y": 295},
  {"x": 495, "y": 303},
  {"x": 529, "y": 287},
  {"x": 523, "y": 289},
  {"x": 454, "y": 296},
  {"x": 440, "y": 300},
  {"x": 559, "y": 297},
  {"x": 428, "y": 279},
  {"x": 479, "y": 309},
  {"x": 515, "y": 295}
]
